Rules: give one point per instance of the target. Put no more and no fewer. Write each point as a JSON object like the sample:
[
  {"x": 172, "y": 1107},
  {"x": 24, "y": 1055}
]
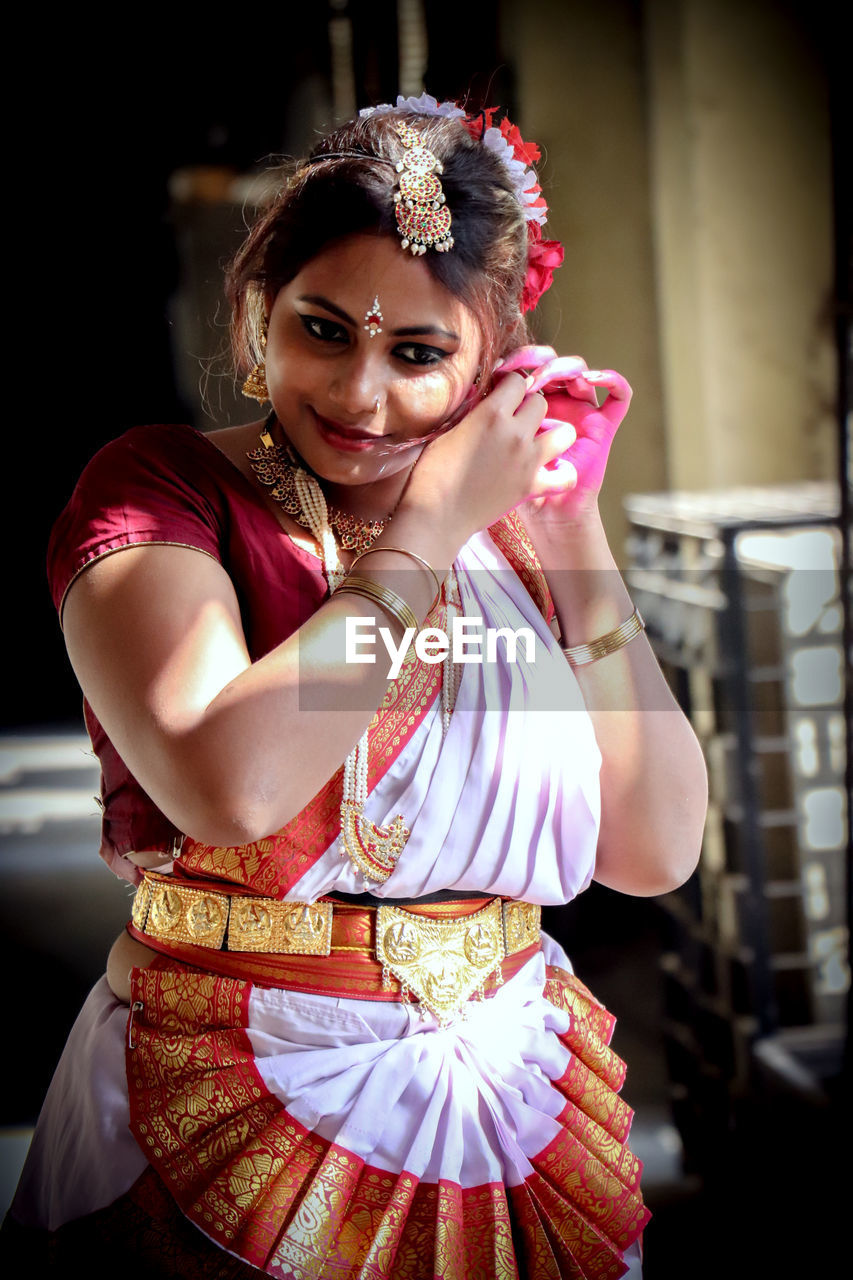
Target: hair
[{"x": 322, "y": 200}]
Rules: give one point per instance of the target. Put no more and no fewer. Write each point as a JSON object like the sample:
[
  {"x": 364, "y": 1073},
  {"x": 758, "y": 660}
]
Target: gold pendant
[
  {"x": 442, "y": 962},
  {"x": 373, "y": 850}
]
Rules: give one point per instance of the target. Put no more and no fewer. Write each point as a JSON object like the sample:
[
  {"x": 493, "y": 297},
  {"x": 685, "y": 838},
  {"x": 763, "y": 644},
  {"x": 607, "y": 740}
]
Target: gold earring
[{"x": 255, "y": 386}]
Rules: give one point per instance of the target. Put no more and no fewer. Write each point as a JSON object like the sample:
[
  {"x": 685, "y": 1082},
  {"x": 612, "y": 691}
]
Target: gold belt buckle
[{"x": 442, "y": 962}]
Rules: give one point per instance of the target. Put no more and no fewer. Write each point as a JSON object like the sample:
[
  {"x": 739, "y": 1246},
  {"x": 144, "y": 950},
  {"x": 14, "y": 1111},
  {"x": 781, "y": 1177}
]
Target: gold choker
[{"x": 278, "y": 469}]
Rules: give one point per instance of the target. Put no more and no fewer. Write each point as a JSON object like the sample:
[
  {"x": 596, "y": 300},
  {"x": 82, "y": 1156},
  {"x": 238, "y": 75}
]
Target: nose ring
[{"x": 376, "y": 406}]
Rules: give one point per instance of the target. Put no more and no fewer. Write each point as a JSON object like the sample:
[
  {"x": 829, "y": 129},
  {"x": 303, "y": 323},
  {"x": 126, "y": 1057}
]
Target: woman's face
[{"x": 326, "y": 373}]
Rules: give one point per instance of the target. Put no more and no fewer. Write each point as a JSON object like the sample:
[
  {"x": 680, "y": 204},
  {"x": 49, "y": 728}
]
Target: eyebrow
[{"x": 418, "y": 331}]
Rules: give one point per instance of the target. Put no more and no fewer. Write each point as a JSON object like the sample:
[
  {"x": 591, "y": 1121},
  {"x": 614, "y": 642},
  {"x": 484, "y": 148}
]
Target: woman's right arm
[
  {"x": 229, "y": 749},
  {"x": 220, "y": 743}
]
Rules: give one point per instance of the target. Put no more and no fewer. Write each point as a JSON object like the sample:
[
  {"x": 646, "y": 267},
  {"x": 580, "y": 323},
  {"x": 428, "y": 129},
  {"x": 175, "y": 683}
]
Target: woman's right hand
[{"x": 493, "y": 460}]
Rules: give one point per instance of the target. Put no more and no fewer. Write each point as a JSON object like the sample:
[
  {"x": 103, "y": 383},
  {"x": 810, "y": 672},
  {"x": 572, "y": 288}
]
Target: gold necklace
[
  {"x": 371, "y": 849},
  {"x": 277, "y": 468}
]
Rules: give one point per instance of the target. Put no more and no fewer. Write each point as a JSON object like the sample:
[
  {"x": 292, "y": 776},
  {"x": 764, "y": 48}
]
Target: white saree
[{"x": 317, "y": 1135}]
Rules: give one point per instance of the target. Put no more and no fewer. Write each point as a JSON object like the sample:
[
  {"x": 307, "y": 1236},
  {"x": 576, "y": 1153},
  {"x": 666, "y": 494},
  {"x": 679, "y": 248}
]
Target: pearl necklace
[{"x": 372, "y": 850}]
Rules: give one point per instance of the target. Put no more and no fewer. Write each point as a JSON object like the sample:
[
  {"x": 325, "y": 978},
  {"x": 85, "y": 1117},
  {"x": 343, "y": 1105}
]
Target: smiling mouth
[{"x": 348, "y": 437}]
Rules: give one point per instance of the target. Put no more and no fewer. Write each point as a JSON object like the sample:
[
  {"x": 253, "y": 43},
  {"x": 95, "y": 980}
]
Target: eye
[
  {"x": 324, "y": 330},
  {"x": 417, "y": 353}
]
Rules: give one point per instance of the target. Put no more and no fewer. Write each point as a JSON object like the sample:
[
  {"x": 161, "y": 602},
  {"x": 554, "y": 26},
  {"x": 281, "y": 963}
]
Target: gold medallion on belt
[{"x": 174, "y": 912}]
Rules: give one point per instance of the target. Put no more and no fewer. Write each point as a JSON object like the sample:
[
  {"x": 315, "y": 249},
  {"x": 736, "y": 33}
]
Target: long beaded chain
[{"x": 372, "y": 849}]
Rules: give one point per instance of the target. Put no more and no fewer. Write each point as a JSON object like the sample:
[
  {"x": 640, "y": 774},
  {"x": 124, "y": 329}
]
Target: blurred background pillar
[
  {"x": 688, "y": 170},
  {"x": 742, "y": 216},
  {"x": 582, "y": 93}
]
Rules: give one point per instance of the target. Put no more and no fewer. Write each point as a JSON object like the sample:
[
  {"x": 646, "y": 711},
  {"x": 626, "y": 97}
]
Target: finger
[
  {"x": 556, "y": 436},
  {"x": 509, "y": 393},
  {"x": 532, "y": 410},
  {"x": 562, "y": 477},
  {"x": 530, "y": 357},
  {"x": 548, "y": 424},
  {"x": 618, "y": 390},
  {"x": 563, "y": 368},
  {"x": 566, "y": 376}
]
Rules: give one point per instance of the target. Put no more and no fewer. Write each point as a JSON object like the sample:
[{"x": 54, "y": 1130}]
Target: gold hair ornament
[
  {"x": 505, "y": 142},
  {"x": 423, "y": 218}
]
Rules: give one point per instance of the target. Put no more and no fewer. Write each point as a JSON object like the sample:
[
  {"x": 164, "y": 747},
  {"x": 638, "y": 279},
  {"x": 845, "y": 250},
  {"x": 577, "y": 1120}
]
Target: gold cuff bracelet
[{"x": 579, "y": 655}]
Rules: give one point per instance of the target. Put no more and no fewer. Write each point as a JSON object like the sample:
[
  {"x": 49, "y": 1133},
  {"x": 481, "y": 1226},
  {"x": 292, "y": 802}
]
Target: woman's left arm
[{"x": 653, "y": 778}]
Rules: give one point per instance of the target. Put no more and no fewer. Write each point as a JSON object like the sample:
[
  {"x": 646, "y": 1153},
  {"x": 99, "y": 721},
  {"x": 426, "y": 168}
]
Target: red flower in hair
[
  {"x": 543, "y": 258},
  {"x": 478, "y": 124},
  {"x": 527, "y": 152}
]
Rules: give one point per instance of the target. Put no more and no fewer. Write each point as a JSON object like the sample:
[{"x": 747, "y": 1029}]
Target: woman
[{"x": 349, "y": 1051}]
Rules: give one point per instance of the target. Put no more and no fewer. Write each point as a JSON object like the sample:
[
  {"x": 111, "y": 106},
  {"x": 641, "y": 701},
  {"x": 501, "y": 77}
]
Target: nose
[{"x": 357, "y": 384}]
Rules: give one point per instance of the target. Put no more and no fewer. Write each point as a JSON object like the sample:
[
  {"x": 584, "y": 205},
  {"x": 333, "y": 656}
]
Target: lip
[{"x": 350, "y": 439}]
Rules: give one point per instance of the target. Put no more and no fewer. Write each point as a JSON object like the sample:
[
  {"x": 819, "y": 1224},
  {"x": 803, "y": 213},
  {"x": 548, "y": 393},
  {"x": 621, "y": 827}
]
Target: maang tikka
[{"x": 423, "y": 218}]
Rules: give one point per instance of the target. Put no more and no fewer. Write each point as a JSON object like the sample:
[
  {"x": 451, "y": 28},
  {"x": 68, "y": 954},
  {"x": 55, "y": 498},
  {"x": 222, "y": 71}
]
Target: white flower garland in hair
[
  {"x": 425, "y": 105},
  {"x": 523, "y": 179}
]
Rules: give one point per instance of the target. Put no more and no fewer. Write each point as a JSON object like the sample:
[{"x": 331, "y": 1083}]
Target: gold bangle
[
  {"x": 383, "y": 596},
  {"x": 578, "y": 655},
  {"x": 403, "y": 551}
]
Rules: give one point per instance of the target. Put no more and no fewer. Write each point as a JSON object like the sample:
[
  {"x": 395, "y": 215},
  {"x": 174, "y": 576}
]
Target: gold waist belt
[{"x": 436, "y": 951}]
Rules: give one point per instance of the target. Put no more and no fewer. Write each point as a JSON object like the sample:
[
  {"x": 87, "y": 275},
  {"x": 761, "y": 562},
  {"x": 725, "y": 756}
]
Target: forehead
[{"x": 353, "y": 271}]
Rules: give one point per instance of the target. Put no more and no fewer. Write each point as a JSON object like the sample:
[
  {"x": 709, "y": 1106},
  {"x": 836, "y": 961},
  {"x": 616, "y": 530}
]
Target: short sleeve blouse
[{"x": 171, "y": 486}]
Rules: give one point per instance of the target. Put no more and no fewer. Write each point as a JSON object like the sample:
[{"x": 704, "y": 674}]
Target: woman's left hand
[{"x": 569, "y": 387}]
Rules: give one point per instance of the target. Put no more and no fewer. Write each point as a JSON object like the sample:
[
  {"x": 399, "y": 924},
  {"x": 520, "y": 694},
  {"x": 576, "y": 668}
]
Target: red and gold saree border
[
  {"x": 511, "y": 537},
  {"x": 274, "y": 1193}
]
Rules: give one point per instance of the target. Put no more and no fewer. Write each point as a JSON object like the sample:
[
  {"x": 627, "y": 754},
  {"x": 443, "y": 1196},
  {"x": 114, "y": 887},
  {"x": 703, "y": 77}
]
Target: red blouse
[{"x": 170, "y": 485}]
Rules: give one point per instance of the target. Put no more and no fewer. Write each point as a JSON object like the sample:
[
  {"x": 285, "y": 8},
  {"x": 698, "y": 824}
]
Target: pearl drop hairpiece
[
  {"x": 502, "y": 140},
  {"x": 423, "y": 218}
]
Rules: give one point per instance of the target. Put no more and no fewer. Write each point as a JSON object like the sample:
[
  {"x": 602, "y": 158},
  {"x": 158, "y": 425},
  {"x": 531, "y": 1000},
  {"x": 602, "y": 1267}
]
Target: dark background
[{"x": 96, "y": 240}]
